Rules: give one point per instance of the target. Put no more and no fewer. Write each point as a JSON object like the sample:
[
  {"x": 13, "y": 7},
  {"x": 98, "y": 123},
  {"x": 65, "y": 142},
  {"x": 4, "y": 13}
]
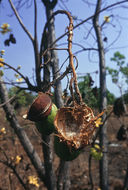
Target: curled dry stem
[
  {"x": 69, "y": 49},
  {"x": 71, "y": 58}
]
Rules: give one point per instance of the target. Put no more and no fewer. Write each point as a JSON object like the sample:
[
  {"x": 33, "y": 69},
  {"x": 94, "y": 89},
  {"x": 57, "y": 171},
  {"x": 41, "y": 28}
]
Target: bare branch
[
  {"x": 30, "y": 86},
  {"x": 13, "y": 168},
  {"x": 59, "y": 78},
  {"x": 11, "y": 99},
  {"x": 20, "y": 21},
  {"x": 35, "y": 46},
  {"x": 35, "y": 24},
  {"x": 89, "y": 18}
]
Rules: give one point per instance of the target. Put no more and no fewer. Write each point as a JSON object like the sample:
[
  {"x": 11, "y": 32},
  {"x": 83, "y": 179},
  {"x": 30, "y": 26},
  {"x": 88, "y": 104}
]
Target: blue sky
[{"x": 22, "y": 52}]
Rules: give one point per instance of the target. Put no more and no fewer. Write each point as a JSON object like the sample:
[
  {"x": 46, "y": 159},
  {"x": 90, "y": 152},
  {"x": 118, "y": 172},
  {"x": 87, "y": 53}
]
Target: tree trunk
[
  {"x": 47, "y": 141},
  {"x": 48, "y": 162},
  {"x": 63, "y": 181},
  {"x": 103, "y": 100},
  {"x": 28, "y": 147},
  {"x": 54, "y": 59}
]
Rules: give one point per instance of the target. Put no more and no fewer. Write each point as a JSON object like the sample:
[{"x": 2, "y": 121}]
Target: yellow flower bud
[
  {"x": 33, "y": 180},
  {"x": 106, "y": 18}
]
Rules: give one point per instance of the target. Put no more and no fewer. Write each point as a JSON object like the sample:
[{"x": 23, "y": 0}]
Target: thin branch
[
  {"x": 48, "y": 49},
  {"x": 9, "y": 164},
  {"x": 79, "y": 45},
  {"x": 14, "y": 69},
  {"x": 89, "y": 18},
  {"x": 35, "y": 46},
  {"x": 30, "y": 86},
  {"x": 34, "y": 89},
  {"x": 13, "y": 168},
  {"x": 35, "y": 24},
  {"x": 20, "y": 21},
  {"x": 115, "y": 40},
  {"x": 9, "y": 100},
  {"x": 68, "y": 69}
]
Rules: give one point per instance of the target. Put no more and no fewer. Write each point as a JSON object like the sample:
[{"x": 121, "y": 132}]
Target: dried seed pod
[
  {"x": 40, "y": 108},
  {"x": 75, "y": 127},
  {"x": 43, "y": 112}
]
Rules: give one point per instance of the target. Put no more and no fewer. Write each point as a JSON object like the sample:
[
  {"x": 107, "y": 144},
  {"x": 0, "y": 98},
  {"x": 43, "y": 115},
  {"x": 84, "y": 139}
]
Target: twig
[
  {"x": 14, "y": 69},
  {"x": 59, "y": 78},
  {"x": 15, "y": 172},
  {"x": 30, "y": 86},
  {"x": 20, "y": 21},
  {"x": 9, "y": 100},
  {"x": 9, "y": 164}
]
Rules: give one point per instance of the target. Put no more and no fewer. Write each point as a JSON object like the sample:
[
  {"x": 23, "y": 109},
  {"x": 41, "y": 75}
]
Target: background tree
[{"x": 103, "y": 99}]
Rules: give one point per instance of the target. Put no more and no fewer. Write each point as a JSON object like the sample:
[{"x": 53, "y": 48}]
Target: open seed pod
[
  {"x": 43, "y": 112},
  {"x": 75, "y": 127}
]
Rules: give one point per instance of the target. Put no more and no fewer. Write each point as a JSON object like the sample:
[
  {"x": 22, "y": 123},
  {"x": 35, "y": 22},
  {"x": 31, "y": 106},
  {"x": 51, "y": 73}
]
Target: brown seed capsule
[
  {"x": 75, "y": 125},
  {"x": 40, "y": 108}
]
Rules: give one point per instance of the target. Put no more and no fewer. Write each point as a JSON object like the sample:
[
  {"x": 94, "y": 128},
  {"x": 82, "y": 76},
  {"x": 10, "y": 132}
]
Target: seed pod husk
[
  {"x": 40, "y": 108},
  {"x": 75, "y": 127}
]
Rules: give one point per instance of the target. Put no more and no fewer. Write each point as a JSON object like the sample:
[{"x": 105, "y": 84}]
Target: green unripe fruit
[
  {"x": 42, "y": 112},
  {"x": 65, "y": 152},
  {"x": 46, "y": 126}
]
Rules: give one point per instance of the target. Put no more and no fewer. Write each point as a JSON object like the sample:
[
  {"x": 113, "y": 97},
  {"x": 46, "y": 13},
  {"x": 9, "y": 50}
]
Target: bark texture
[{"x": 103, "y": 99}]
